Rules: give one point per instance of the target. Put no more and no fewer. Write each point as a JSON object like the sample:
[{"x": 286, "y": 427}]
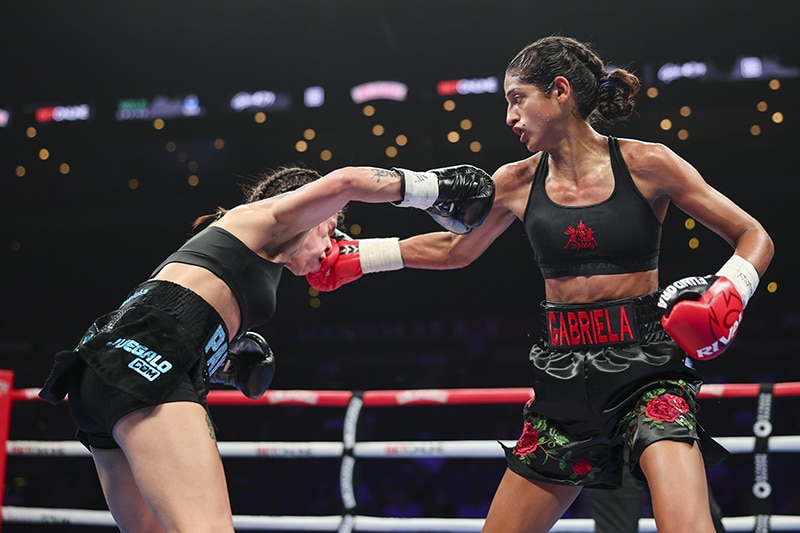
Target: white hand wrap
[
  {"x": 742, "y": 274},
  {"x": 380, "y": 255},
  {"x": 421, "y": 189}
]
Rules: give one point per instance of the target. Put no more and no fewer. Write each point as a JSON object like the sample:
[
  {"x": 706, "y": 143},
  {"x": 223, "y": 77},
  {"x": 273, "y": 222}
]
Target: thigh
[
  {"x": 96, "y": 405},
  {"x": 521, "y": 505},
  {"x": 678, "y": 486},
  {"x": 130, "y": 511},
  {"x": 173, "y": 456},
  {"x": 665, "y": 411}
]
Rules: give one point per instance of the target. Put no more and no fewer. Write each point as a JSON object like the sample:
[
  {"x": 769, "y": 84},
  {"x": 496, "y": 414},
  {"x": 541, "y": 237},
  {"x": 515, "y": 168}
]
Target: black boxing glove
[
  {"x": 459, "y": 198},
  {"x": 249, "y": 366}
]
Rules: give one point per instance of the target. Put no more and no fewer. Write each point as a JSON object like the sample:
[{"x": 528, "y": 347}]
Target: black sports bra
[
  {"x": 618, "y": 235},
  {"x": 252, "y": 279}
]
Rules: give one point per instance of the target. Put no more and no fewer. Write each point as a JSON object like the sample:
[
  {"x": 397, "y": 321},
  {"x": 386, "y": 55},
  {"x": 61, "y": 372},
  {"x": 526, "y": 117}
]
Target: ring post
[{"x": 6, "y": 386}]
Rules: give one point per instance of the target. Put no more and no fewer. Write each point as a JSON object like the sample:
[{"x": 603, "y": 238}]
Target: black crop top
[
  {"x": 252, "y": 279},
  {"x": 618, "y": 235}
]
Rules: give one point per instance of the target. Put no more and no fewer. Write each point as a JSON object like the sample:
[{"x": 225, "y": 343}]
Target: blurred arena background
[{"x": 120, "y": 123}]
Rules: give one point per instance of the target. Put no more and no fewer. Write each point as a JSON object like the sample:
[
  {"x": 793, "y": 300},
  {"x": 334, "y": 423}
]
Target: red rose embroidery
[
  {"x": 666, "y": 408},
  {"x": 582, "y": 468},
  {"x": 529, "y": 440}
]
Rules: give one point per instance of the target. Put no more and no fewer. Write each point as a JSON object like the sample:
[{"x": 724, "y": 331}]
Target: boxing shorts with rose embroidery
[{"x": 606, "y": 376}]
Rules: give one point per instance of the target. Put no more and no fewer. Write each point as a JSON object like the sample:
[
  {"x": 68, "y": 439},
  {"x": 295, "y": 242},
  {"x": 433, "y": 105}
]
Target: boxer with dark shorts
[
  {"x": 609, "y": 372},
  {"x": 600, "y": 374},
  {"x": 138, "y": 379}
]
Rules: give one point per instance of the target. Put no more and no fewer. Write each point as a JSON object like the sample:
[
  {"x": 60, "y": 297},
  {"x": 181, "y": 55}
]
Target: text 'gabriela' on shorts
[
  {"x": 596, "y": 325},
  {"x": 600, "y": 372}
]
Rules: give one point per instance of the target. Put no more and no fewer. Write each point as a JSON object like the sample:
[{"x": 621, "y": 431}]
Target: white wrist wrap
[
  {"x": 742, "y": 274},
  {"x": 421, "y": 189},
  {"x": 380, "y": 255}
]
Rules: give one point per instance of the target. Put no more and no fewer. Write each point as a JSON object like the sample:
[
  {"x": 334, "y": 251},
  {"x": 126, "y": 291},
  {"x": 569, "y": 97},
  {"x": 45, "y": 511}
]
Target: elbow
[
  {"x": 760, "y": 246},
  {"x": 770, "y": 249},
  {"x": 346, "y": 184},
  {"x": 342, "y": 180},
  {"x": 456, "y": 259},
  {"x": 460, "y": 262},
  {"x": 767, "y": 246}
]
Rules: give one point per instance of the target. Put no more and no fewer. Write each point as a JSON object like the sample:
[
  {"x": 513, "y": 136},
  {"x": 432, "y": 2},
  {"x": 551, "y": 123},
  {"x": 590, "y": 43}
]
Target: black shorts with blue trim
[{"x": 160, "y": 346}]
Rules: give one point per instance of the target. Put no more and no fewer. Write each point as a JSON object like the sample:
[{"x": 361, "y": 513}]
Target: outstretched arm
[
  {"x": 350, "y": 259},
  {"x": 447, "y": 251},
  {"x": 458, "y": 198},
  {"x": 315, "y": 202}
]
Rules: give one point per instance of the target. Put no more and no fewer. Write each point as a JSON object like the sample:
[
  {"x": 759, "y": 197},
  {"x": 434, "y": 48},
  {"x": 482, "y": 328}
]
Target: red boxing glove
[
  {"x": 341, "y": 266},
  {"x": 702, "y": 314}
]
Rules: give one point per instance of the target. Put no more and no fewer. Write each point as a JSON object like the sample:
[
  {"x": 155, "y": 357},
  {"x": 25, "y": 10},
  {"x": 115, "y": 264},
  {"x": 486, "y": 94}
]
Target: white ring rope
[
  {"x": 383, "y": 449},
  {"x": 42, "y": 515},
  {"x": 349, "y": 449}
]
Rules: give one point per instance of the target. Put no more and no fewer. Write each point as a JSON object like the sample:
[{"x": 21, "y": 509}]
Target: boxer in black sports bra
[
  {"x": 138, "y": 379},
  {"x": 609, "y": 372}
]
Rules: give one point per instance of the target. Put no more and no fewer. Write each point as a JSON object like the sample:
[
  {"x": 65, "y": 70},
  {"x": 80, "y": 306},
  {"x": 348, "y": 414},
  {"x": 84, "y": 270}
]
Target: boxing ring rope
[{"x": 349, "y": 450}]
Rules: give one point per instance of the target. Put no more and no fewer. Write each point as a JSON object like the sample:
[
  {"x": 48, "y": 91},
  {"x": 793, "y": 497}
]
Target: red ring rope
[{"x": 384, "y": 398}]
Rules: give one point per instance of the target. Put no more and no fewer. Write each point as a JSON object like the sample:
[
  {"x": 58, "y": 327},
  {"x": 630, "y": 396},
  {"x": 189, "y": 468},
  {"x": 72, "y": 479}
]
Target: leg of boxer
[
  {"x": 130, "y": 511},
  {"x": 678, "y": 487},
  {"x": 527, "y": 506},
  {"x": 174, "y": 459}
]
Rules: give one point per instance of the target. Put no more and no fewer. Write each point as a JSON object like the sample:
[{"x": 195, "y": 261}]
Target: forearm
[
  {"x": 447, "y": 251},
  {"x": 366, "y": 184},
  {"x": 753, "y": 251},
  {"x": 756, "y": 246},
  {"x": 433, "y": 251}
]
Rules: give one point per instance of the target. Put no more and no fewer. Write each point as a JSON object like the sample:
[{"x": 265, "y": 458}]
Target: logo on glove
[{"x": 702, "y": 314}]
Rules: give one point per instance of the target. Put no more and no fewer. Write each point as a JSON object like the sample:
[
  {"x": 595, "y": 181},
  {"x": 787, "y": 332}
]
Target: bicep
[
  {"x": 737, "y": 227},
  {"x": 689, "y": 192},
  {"x": 308, "y": 206}
]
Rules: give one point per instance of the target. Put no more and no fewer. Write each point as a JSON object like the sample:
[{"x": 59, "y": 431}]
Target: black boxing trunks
[
  {"x": 160, "y": 333},
  {"x": 95, "y": 406},
  {"x": 606, "y": 376}
]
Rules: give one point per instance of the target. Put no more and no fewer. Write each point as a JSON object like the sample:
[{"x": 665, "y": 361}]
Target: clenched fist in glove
[
  {"x": 350, "y": 259},
  {"x": 459, "y": 198},
  {"x": 249, "y": 367},
  {"x": 702, "y": 313}
]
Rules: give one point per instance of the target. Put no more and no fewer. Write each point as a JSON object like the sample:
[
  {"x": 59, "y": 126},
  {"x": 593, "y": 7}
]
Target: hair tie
[{"x": 609, "y": 83}]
